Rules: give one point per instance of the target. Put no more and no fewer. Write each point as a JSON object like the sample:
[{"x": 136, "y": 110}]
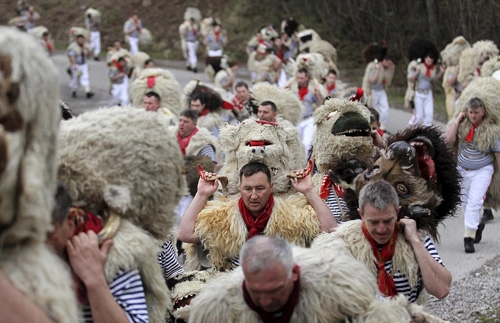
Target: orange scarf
[
  {"x": 386, "y": 284},
  {"x": 256, "y": 225}
]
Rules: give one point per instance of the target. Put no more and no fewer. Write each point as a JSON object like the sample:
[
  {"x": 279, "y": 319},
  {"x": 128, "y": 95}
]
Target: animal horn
[
  {"x": 403, "y": 151},
  {"x": 110, "y": 227}
]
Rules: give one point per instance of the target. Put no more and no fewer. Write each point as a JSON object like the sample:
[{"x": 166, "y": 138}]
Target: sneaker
[
  {"x": 487, "y": 215},
  {"x": 469, "y": 245},
  {"x": 479, "y": 232},
  {"x": 73, "y": 94},
  {"x": 188, "y": 68},
  {"x": 89, "y": 95}
]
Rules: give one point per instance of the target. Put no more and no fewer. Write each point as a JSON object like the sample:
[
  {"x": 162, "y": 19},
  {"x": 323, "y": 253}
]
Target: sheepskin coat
[
  {"x": 385, "y": 76},
  {"x": 348, "y": 238},
  {"x": 29, "y": 90},
  {"x": 201, "y": 139},
  {"x": 223, "y": 231},
  {"x": 333, "y": 288}
]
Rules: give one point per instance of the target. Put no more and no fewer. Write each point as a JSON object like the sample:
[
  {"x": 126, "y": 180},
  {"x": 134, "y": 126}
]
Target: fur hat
[
  {"x": 374, "y": 51},
  {"x": 421, "y": 48},
  {"x": 130, "y": 154}
]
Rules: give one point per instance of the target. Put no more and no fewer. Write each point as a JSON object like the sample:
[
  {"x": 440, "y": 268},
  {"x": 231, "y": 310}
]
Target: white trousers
[
  {"x": 424, "y": 109},
  {"x": 474, "y": 185},
  {"x": 119, "y": 93},
  {"x": 95, "y": 42},
  {"x": 80, "y": 76},
  {"x": 214, "y": 53},
  {"x": 381, "y": 104},
  {"x": 306, "y": 129},
  {"x": 134, "y": 44},
  {"x": 192, "y": 59}
]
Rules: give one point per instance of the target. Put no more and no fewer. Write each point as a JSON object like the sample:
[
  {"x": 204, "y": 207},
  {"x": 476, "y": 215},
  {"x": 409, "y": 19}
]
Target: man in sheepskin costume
[
  {"x": 79, "y": 53},
  {"x": 92, "y": 22},
  {"x": 132, "y": 180},
  {"x": 132, "y": 30},
  {"x": 30, "y": 115},
  {"x": 264, "y": 65},
  {"x": 378, "y": 77},
  {"x": 281, "y": 283},
  {"x": 450, "y": 56},
  {"x": 118, "y": 77},
  {"x": 224, "y": 225},
  {"x": 475, "y": 132}
]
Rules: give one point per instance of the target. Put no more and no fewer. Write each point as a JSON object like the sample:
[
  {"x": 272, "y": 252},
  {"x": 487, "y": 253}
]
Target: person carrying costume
[
  {"x": 478, "y": 153},
  {"x": 400, "y": 259},
  {"x": 190, "y": 33},
  {"x": 79, "y": 54},
  {"x": 92, "y": 22},
  {"x": 132, "y": 29},
  {"x": 378, "y": 77},
  {"x": 119, "y": 82},
  {"x": 422, "y": 69}
]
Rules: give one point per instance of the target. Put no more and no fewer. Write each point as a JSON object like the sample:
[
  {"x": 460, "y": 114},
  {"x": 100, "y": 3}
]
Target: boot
[
  {"x": 469, "y": 245},
  {"x": 487, "y": 215},
  {"x": 479, "y": 232},
  {"x": 89, "y": 95}
]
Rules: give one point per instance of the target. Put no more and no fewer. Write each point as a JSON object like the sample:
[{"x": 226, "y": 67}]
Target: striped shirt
[
  {"x": 337, "y": 206},
  {"x": 401, "y": 281},
  {"x": 167, "y": 258},
  {"x": 209, "y": 151},
  {"x": 128, "y": 291},
  {"x": 471, "y": 158}
]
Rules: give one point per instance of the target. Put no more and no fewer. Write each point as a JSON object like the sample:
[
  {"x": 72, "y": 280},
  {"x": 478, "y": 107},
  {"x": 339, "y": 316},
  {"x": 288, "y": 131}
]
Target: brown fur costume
[
  {"x": 126, "y": 162},
  {"x": 487, "y": 89},
  {"x": 334, "y": 288},
  {"x": 29, "y": 117},
  {"x": 425, "y": 198},
  {"x": 213, "y": 101}
]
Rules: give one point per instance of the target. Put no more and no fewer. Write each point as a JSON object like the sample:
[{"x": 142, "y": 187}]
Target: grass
[{"x": 493, "y": 317}]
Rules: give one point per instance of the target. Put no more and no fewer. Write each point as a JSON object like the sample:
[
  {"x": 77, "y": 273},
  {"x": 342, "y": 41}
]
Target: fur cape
[
  {"x": 385, "y": 76},
  {"x": 348, "y": 239},
  {"x": 201, "y": 139},
  {"x": 75, "y": 31},
  {"x": 164, "y": 84},
  {"x": 315, "y": 64},
  {"x": 263, "y": 65},
  {"x": 487, "y": 89},
  {"x": 94, "y": 13},
  {"x": 351, "y": 123},
  {"x": 223, "y": 231},
  {"x": 28, "y": 137},
  {"x": 287, "y": 103},
  {"x": 118, "y": 53},
  {"x": 333, "y": 288},
  {"x": 485, "y": 49},
  {"x": 469, "y": 63},
  {"x": 281, "y": 151}
]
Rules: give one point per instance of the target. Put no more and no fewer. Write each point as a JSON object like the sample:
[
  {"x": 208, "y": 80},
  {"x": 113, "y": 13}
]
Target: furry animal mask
[
  {"x": 276, "y": 146},
  {"x": 343, "y": 130},
  {"x": 423, "y": 170},
  {"x": 126, "y": 161}
]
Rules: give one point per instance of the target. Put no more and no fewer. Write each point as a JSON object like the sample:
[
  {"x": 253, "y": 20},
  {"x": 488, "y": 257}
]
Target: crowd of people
[{"x": 335, "y": 240}]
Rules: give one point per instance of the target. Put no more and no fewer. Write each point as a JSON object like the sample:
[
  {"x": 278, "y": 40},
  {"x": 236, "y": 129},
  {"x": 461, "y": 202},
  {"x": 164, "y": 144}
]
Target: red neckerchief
[
  {"x": 302, "y": 92},
  {"x": 470, "y": 135},
  {"x": 386, "y": 284},
  {"x": 136, "y": 22},
  {"x": 380, "y": 132},
  {"x": 256, "y": 225},
  {"x": 216, "y": 36},
  {"x": 287, "y": 310},
  {"x": 84, "y": 222},
  {"x": 49, "y": 46},
  {"x": 239, "y": 105},
  {"x": 204, "y": 112},
  {"x": 428, "y": 69},
  {"x": 331, "y": 87},
  {"x": 194, "y": 31},
  {"x": 279, "y": 54},
  {"x": 184, "y": 142},
  {"x": 118, "y": 66}
]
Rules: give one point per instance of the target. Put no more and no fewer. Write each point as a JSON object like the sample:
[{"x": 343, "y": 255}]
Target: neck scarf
[
  {"x": 428, "y": 69},
  {"x": 470, "y": 135},
  {"x": 216, "y": 36},
  {"x": 331, "y": 87},
  {"x": 204, "y": 112},
  {"x": 302, "y": 92},
  {"x": 184, "y": 142},
  {"x": 287, "y": 310},
  {"x": 118, "y": 66},
  {"x": 386, "y": 284},
  {"x": 256, "y": 225}
]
